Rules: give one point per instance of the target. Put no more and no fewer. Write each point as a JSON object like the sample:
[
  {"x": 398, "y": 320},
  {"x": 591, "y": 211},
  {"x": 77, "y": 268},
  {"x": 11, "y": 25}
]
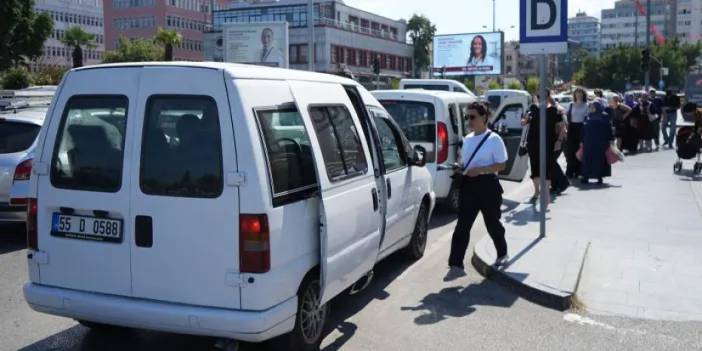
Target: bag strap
[
  {"x": 569, "y": 116},
  {"x": 487, "y": 135}
]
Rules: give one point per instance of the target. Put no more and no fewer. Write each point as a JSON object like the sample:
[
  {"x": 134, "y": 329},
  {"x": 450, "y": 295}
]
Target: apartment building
[
  {"x": 585, "y": 30},
  {"x": 689, "y": 21},
  {"x": 626, "y": 25}
]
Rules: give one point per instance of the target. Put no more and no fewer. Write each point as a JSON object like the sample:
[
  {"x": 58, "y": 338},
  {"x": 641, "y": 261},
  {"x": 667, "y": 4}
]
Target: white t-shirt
[{"x": 492, "y": 152}]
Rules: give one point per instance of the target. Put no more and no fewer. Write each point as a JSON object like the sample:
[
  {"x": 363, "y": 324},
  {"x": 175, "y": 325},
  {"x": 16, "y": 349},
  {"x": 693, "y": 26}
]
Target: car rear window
[
  {"x": 181, "y": 151},
  {"x": 16, "y": 136},
  {"x": 417, "y": 119},
  {"x": 89, "y": 150}
]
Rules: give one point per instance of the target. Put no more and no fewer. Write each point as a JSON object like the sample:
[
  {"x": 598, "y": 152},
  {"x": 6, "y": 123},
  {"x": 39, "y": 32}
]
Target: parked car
[
  {"x": 436, "y": 121},
  {"x": 217, "y": 199},
  {"x": 435, "y": 84},
  {"x": 18, "y": 134}
]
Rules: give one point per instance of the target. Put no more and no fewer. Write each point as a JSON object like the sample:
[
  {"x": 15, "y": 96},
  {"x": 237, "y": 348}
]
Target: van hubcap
[
  {"x": 312, "y": 315},
  {"x": 421, "y": 231}
]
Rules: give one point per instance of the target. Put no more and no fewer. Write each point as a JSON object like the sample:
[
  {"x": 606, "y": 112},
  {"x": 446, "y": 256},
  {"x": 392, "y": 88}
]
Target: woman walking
[
  {"x": 484, "y": 155},
  {"x": 621, "y": 113},
  {"x": 631, "y": 133},
  {"x": 597, "y": 138},
  {"x": 576, "y": 116},
  {"x": 553, "y": 125}
]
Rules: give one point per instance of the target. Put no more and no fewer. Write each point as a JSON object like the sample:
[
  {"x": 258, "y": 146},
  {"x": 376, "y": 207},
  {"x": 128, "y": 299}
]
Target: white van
[
  {"x": 435, "y": 84},
  {"x": 216, "y": 199},
  {"x": 436, "y": 121}
]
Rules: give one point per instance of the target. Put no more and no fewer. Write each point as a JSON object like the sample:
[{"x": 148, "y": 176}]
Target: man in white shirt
[{"x": 269, "y": 53}]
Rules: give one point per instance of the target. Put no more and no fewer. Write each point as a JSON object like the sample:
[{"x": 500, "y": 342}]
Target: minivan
[
  {"x": 435, "y": 84},
  {"x": 217, "y": 199},
  {"x": 437, "y": 121}
]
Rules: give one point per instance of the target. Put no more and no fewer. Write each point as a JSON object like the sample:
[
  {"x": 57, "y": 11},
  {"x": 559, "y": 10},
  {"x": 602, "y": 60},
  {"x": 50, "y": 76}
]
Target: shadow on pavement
[
  {"x": 523, "y": 217},
  {"x": 12, "y": 238},
  {"x": 441, "y": 217},
  {"x": 458, "y": 302}
]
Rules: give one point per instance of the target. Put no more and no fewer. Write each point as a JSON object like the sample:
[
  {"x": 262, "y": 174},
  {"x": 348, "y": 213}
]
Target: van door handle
[
  {"x": 374, "y": 193},
  {"x": 389, "y": 188},
  {"x": 144, "y": 231}
]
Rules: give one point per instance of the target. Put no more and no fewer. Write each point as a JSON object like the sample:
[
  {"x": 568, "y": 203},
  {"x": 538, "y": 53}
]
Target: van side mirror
[{"x": 418, "y": 156}]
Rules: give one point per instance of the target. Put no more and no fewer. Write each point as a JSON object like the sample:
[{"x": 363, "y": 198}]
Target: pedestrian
[
  {"x": 669, "y": 122},
  {"x": 483, "y": 156},
  {"x": 656, "y": 110},
  {"x": 560, "y": 182},
  {"x": 576, "y": 116},
  {"x": 620, "y": 114},
  {"x": 597, "y": 138},
  {"x": 553, "y": 125},
  {"x": 646, "y": 128},
  {"x": 599, "y": 96},
  {"x": 631, "y": 133}
]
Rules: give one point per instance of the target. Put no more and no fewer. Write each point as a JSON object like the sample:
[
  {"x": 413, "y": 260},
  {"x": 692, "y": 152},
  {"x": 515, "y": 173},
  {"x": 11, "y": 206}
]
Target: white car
[
  {"x": 436, "y": 85},
  {"x": 217, "y": 199},
  {"x": 18, "y": 133}
]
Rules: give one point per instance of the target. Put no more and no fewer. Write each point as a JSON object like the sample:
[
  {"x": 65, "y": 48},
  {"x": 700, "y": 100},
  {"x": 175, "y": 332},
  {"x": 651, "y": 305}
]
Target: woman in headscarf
[
  {"x": 630, "y": 132},
  {"x": 597, "y": 138}
]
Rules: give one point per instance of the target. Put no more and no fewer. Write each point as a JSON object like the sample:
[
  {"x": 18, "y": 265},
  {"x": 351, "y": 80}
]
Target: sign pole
[
  {"x": 310, "y": 31},
  {"x": 543, "y": 196}
]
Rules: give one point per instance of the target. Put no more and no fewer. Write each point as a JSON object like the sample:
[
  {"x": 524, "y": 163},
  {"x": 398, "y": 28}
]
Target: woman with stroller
[{"x": 597, "y": 138}]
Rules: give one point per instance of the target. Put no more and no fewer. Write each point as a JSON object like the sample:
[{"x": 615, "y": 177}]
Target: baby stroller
[{"x": 688, "y": 141}]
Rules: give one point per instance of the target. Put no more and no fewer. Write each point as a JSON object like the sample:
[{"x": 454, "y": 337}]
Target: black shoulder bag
[{"x": 476, "y": 151}]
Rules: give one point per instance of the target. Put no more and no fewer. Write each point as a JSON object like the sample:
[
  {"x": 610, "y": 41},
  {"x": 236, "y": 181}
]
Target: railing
[{"x": 353, "y": 27}]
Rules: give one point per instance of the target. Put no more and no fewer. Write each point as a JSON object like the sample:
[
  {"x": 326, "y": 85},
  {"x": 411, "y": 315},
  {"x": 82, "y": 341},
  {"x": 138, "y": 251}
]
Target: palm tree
[
  {"x": 168, "y": 38},
  {"x": 75, "y": 38}
]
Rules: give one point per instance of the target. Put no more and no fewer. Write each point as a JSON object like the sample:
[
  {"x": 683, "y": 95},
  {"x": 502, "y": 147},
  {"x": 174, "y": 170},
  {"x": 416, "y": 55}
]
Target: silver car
[{"x": 19, "y": 129}]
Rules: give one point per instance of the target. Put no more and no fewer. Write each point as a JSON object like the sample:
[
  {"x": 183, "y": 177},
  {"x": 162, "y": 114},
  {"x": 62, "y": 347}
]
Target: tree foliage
[
  {"x": 49, "y": 76},
  {"x": 421, "y": 32},
  {"x": 169, "y": 39},
  {"x": 75, "y": 39},
  {"x": 134, "y": 50},
  {"x": 22, "y": 32},
  {"x": 532, "y": 85},
  {"x": 514, "y": 85},
  {"x": 16, "y": 78}
]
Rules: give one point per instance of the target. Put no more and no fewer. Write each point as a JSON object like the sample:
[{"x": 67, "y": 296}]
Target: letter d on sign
[{"x": 535, "y": 25}]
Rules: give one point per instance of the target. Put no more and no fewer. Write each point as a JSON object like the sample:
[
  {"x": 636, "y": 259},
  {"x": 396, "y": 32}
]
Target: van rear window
[
  {"x": 417, "y": 119},
  {"x": 16, "y": 137},
  {"x": 89, "y": 151},
  {"x": 428, "y": 87}
]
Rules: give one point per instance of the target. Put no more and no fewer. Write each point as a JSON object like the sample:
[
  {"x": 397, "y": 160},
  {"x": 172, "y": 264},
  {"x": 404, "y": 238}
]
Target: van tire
[
  {"x": 99, "y": 327},
  {"x": 453, "y": 199},
  {"x": 415, "y": 249},
  {"x": 308, "y": 336}
]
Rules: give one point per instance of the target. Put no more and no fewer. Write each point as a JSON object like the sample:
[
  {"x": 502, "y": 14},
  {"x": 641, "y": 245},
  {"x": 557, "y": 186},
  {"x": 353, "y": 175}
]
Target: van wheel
[
  {"x": 453, "y": 200},
  {"x": 415, "y": 249},
  {"x": 311, "y": 317}
]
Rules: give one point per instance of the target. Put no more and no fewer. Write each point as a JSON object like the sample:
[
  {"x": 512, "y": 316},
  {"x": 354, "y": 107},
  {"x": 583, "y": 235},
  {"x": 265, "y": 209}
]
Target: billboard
[
  {"x": 260, "y": 43},
  {"x": 468, "y": 54}
]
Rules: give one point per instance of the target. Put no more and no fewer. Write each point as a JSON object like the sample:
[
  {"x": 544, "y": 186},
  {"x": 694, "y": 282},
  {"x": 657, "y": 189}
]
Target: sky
[{"x": 466, "y": 16}]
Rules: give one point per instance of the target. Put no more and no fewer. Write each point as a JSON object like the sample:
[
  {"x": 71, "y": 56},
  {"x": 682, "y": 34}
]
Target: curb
[{"x": 554, "y": 300}]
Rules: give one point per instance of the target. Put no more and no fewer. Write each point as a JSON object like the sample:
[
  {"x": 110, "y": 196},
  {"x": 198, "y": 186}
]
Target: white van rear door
[
  {"x": 350, "y": 227},
  {"x": 185, "y": 204},
  {"x": 83, "y": 194},
  {"x": 514, "y": 135}
]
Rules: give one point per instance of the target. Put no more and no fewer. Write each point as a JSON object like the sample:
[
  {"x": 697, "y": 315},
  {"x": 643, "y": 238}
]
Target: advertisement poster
[
  {"x": 468, "y": 54},
  {"x": 261, "y": 43}
]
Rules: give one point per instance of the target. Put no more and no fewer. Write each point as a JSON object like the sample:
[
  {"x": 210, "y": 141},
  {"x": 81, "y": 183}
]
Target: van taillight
[
  {"x": 32, "y": 238},
  {"x": 254, "y": 244},
  {"x": 23, "y": 171},
  {"x": 442, "y": 134}
]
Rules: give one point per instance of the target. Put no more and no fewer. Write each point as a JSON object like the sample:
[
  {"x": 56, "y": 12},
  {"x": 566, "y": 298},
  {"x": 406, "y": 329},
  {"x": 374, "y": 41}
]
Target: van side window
[
  {"x": 89, "y": 151},
  {"x": 288, "y": 151},
  {"x": 453, "y": 118},
  {"x": 391, "y": 145},
  {"x": 341, "y": 145},
  {"x": 181, "y": 149}
]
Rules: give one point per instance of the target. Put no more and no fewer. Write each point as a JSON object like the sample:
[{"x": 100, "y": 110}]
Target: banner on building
[
  {"x": 468, "y": 54},
  {"x": 260, "y": 43}
]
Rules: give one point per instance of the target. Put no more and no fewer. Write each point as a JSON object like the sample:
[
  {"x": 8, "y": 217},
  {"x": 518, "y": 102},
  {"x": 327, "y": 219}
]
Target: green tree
[
  {"x": 421, "y": 32},
  {"x": 169, "y": 39},
  {"x": 49, "y": 76},
  {"x": 16, "y": 78},
  {"x": 394, "y": 83},
  {"x": 494, "y": 85},
  {"x": 75, "y": 39},
  {"x": 134, "y": 50},
  {"x": 22, "y": 32},
  {"x": 469, "y": 83},
  {"x": 514, "y": 85},
  {"x": 532, "y": 85}
]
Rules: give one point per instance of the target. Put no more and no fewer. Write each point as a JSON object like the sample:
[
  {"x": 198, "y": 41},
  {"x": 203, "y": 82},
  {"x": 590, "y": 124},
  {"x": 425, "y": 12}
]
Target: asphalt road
[{"x": 406, "y": 307}]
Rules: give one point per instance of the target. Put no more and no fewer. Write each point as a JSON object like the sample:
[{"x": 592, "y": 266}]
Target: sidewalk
[{"x": 632, "y": 247}]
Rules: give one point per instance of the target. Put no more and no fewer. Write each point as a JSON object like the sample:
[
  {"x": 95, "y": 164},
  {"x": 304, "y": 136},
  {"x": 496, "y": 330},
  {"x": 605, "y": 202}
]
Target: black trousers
[
  {"x": 575, "y": 137},
  {"x": 480, "y": 194}
]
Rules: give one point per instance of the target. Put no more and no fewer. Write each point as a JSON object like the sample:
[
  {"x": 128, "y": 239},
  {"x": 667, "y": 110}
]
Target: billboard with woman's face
[{"x": 468, "y": 54}]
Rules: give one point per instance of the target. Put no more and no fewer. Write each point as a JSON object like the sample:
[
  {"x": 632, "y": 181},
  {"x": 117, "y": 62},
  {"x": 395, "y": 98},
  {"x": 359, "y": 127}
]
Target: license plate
[{"x": 86, "y": 228}]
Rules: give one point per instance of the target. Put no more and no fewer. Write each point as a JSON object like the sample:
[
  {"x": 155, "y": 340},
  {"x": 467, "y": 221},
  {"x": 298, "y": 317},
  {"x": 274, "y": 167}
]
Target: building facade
[
  {"x": 347, "y": 40},
  {"x": 585, "y": 30},
  {"x": 689, "y": 21},
  {"x": 625, "y": 25},
  {"x": 86, "y": 14},
  {"x": 140, "y": 19}
]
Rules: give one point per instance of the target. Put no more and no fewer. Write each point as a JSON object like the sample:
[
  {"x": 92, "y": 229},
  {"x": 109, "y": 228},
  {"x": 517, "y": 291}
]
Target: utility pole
[
  {"x": 310, "y": 30},
  {"x": 647, "y": 73},
  {"x": 636, "y": 24},
  {"x": 493, "y": 15}
]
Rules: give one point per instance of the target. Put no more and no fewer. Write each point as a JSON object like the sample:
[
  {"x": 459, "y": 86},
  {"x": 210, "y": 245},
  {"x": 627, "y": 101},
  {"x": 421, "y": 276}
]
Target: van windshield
[
  {"x": 16, "y": 137},
  {"x": 417, "y": 119},
  {"x": 428, "y": 87}
]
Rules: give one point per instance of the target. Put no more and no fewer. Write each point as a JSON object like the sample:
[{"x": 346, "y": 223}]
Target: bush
[
  {"x": 16, "y": 78},
  {"x": 515, "y": 85},
  {"x": 49, "y": 76},
  {"x": 533, "y": 85}
]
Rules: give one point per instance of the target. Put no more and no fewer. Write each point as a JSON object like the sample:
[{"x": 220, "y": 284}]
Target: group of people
[{"x": 649, "y": 117}]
